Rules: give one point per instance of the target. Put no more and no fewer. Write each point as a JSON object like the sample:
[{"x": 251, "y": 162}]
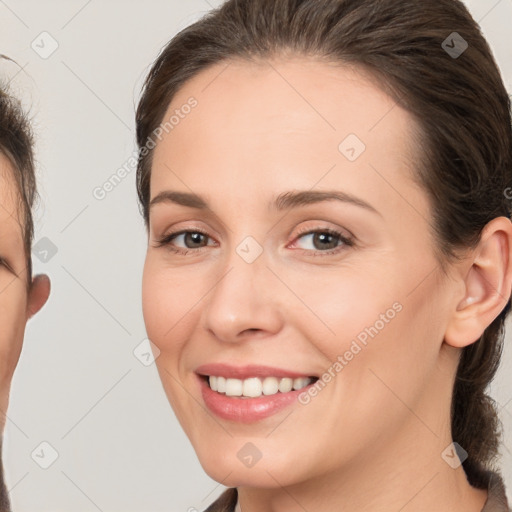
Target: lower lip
[{"x": 247, "y": 410}]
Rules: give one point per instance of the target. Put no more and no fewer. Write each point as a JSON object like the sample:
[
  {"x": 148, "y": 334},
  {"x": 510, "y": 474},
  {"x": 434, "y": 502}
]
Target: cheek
[
  {"x": 342, "y": 305},
  {"x": 12, "y": 313},
  {"x": 373, "y": 326},
  {"x": 168, "y": 299},
  {"x": 390, "y": 360},
  {"x": 158, "y": 303}
]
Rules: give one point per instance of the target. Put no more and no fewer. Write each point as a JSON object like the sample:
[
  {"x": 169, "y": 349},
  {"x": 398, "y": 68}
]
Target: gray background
[{"x": 78, "y": 385}]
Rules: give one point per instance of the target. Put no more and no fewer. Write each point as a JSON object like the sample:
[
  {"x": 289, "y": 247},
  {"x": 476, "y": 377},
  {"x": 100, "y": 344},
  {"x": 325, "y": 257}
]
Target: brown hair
[
  {"x": 16, "y": 143},
  {"x": 461, "y": 105}
]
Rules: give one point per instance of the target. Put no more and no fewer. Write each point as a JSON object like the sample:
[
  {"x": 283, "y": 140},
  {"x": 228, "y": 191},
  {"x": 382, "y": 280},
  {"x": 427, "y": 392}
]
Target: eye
[
  {"x": 324, "y": 241},
  {"x": 4, "y": 263},
  {"x": 193, "y": 240}
]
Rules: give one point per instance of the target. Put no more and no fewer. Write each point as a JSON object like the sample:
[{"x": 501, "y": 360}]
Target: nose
[{"x": 244, "y": 302}]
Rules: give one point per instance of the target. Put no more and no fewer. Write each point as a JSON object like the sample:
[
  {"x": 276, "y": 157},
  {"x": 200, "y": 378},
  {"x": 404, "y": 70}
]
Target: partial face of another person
[
  {"x": 17, "y": 304},
  {"x": 263, "y": 289}
]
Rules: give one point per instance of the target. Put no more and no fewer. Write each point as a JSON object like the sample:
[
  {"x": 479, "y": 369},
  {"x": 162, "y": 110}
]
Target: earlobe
[
  {"x": 38, "y": 294},
  {"x": 487, "y": 285}
]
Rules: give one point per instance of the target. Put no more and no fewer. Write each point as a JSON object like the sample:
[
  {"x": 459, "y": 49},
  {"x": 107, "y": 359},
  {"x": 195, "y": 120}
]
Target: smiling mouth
[{"x": 255, "y": 387}]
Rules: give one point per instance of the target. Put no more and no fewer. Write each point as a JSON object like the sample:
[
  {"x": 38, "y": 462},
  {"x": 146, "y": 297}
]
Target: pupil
[
  {"x": 196, "y": 237},
  {"x": 324, "y": 238}
]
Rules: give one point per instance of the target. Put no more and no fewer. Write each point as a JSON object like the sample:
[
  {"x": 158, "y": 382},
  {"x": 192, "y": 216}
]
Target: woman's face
[
  {"x": 270, "y": 280},
  {"x": 13, "y": 284}
]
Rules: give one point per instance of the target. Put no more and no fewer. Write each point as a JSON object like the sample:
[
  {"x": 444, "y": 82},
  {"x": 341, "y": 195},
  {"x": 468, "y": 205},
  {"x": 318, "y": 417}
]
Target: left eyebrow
[
  {"x": 305, "y": 197},
  {"x": 284, "y": 201}
]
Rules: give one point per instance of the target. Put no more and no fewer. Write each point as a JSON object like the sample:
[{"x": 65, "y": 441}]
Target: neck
[{"x": 405, "y": 474}]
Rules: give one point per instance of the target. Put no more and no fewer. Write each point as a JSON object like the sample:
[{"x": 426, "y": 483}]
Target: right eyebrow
[{"x": 182, "y": 198}]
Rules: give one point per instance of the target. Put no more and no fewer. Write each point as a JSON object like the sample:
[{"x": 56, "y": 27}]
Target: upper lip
[{"x": 244, "y": 372}]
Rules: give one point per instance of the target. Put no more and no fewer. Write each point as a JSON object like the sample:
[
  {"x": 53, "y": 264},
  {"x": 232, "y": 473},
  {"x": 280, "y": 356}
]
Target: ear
[
  {"x": 38, "y": 294},
  {"x": 487, "y": 285}
]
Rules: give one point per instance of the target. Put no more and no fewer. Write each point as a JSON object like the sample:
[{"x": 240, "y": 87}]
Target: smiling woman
[{"x": 345, "y": 159}]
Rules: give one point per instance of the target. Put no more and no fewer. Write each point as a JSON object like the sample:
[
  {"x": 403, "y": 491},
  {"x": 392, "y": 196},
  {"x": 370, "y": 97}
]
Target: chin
[
  {"x": 240, "y": 467},
  {"x": 246, "y": 477}
]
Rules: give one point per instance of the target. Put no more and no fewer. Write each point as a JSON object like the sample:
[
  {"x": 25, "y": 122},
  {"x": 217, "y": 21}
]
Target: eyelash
[
  {"x": 346, "y": 241},
  {"x": 4, "y": 263}
]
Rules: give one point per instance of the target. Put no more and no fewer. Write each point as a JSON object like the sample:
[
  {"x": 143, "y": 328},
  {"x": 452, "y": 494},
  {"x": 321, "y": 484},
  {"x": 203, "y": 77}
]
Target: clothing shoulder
[
  {"x": 497, "y": 499},
  {"x": 226, "y": 502}
]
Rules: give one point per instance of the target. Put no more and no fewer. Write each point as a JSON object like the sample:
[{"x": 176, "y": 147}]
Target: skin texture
[
  {"x": 372, "y": 439},
  {"x": 16, "y": 305}
]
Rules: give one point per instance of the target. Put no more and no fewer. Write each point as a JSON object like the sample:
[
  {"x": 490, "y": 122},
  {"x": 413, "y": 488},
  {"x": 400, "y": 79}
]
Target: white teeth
[
  {"x": 270, "y": 386},
  {"x": 234, "y": 387},
  {"x": 300, "y": 383},
  {"x": 285, "y": 385},
  {"x": 254, "y": 387}
]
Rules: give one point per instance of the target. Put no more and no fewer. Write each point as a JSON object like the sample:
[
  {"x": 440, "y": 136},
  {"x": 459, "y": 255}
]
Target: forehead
[{"x": 285, "y": 123}]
